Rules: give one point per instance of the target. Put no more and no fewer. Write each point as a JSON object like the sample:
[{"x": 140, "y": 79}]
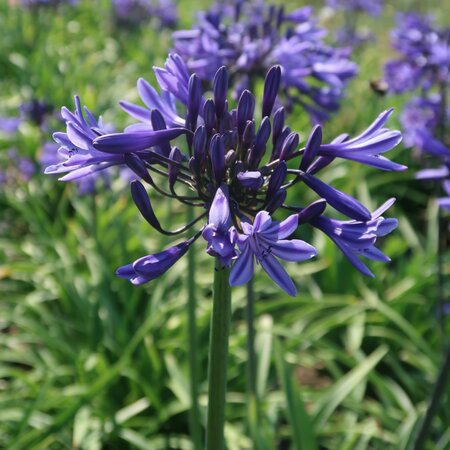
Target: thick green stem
[
  {"x": 218, "y": 359},
  {"x": 194, "y": 413},
  {"x": 252, "y": 401}
]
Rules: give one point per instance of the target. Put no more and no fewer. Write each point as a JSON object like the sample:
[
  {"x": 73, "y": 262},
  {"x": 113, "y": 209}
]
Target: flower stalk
[
  {"x": 218, "y": 359},
  {"x": 252, "y": 395},
  {"x": 194, "y": 413}
]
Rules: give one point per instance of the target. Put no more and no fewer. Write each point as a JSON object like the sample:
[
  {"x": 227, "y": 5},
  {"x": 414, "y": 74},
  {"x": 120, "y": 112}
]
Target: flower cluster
[
  {"x": 236, "y": 169},
  {"x": 35, "y": 111},
  {"x": 37, "y": 3},
  {"x": 349, "y": 34},
  {"x": 250, "y": 37},
  {"x": 73, "y": 149},
  {"x": 424, "y": 67},
  {"x": 132, "y": 12},
  {"x": 424, "y": 55},
  {"x": 371, "y": 7}
]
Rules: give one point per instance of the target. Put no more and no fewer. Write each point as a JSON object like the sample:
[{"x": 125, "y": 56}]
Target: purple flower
[
  {"x": 217, "y": 233},
  {"x": 372, "y": 7},
  {"x": 250, "y": 37},
  {"x": 78, "y": 155},
  {"x": 9, "y": 124},
  {"x": 232, "y": 166},
  {"x": 424, "y": 54},
  {"x": 356, "y": 239},
  {"x": 150, "y": 267},
  {"x": 132, "y": 12},
  {"x": 368, "y": 147},
  {"x": 420, "y": 115},
  {"x": 265, "y": 240},
  {"x": 53, "y": 3}
]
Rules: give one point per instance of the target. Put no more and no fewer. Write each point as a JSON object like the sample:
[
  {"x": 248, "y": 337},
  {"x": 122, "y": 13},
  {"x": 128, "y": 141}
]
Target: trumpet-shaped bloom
[
  {"x": 356, "y": 239},
  {"x": 265, "y": 240}
]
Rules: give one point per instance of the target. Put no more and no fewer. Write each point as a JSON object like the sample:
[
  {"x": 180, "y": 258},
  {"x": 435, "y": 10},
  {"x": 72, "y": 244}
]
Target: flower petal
[
  {"x": 242, "y": 269},
  {"x": 278, "y": 274}
]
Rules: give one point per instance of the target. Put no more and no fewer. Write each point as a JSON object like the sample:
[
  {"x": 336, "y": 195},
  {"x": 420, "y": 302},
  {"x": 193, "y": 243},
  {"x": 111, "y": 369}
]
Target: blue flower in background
[
  {"x": 235, "y": 168},
  {"x": 132, "y": 12},
  {"x": 250, "y": 37},
  {"x": 350, "y": 34},
  {"x": 423, "y": 67},
  {"x": 424, "y": 54}
]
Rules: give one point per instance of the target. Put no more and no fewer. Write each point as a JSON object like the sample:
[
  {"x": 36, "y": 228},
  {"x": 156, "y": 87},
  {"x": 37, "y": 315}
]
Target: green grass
[{"x": 88, "y": 361}]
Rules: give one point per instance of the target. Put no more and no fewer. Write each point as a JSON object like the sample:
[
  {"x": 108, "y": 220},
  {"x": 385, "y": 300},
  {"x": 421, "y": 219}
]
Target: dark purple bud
[
  {"x": 271, "y": 86},
  {"x": 245, "y": 110},
  {"x": 194, "y": 100},
  {"x": 134, "y": 142},
  {"x": 278, "y": 123},
  {"x": 142, "y": 201},
  {"x": 228, "y": 139},
  {"x": 276, "y": 179},
  {"x": 249, "y": 134},
  {"x": 312, "y": 147},
  {"x": 320, "y": 163},
  {"x": 289, "y": 145},
  {"x": 158, "y": 122},
  {"x": 230, "y": 158},
  {"x": 220, "y": 89},
  {"x": 138, "y": 167},
  {"x": 173, "y": 169},
  {"x": 312, "y": 211},
  {"x": 150, "y": 267},
  {"x": 339, "y": 200},
  {"x": 209, "y": 115},
  {"x": 259, "y": 147},
  {"x": 251, "y": 179},
  {"x": 217, "y": 158},
  {"x": 276, "y": 150},
  {"x": 199, "y": 144},
  {"x": 276, "y": 201},
  {"x": 227, "y": 121}
]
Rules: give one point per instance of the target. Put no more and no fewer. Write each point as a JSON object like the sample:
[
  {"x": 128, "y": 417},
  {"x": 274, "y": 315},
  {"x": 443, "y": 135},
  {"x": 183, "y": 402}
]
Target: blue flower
[
  {"x": 357, "y": 238},
  {"x": 150, "y": 267},
  {"x": 232, "y": 167},
  {"x": 132, "y": 12},
  {"x": 217, "y": 233},
  {"x": 265, "y": 240},
  {"x": 250, "y": 37},
  {"x": 424, "y": 54}
]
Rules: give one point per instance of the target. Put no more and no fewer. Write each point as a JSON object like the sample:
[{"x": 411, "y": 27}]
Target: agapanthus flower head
[
  {"x": 371, "y": 7},
  {"x": 39, "y": 3},
  {"x": 35, "y": 111},
  {"x": 250, "y": 37},
  {"x": 424, "y": 50},
  {"x": 236, "y": 168},
  {"x": 132, "y": 12}
]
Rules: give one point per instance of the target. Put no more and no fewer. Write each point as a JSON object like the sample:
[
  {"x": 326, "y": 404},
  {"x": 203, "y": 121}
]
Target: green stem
[
  {"x": 218, "y": 359},
  {"x": 194, "y": 413},
  {"x": 438, "y": 394},
  {"x": 252, "y": 401}
]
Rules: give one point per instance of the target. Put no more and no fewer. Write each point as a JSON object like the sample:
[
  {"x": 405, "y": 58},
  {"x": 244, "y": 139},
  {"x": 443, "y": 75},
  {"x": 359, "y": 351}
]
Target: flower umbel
[
  {"x": 235, "y": 169},
  {"x": 249, "y": 37}
]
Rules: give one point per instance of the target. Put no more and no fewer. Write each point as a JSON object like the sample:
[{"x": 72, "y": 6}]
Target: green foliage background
[{"x": 88, "y": 361}]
